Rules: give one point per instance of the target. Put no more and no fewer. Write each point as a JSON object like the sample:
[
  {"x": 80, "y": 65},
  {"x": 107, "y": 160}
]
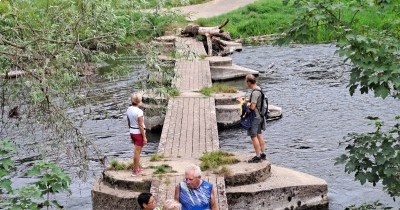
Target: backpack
[
  {"x": 264, "y": 104},
  {"x": 247, "y": 116}
]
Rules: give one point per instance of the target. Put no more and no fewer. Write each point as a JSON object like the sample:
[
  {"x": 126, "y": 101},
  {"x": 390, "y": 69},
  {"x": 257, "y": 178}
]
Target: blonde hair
[
  {"x": 136, "y": 98},
  {"x": 171, "y": 205}
]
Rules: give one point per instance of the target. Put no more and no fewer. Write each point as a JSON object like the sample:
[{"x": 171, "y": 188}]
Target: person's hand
[
  {"x": 240, "y": 99},
  {"x": 144, "y": 140}
]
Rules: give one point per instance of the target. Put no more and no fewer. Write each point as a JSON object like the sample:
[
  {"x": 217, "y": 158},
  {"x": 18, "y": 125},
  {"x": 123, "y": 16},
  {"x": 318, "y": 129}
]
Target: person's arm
[
  {"x": 252, "y": 106},
  {"x": 141, "y": 128},
  {"x": 129, "y": 123},
  {"x": 212, "y": 202},
  {"x": 253, "y": 100},
  {"x": 176, "y": 197}
]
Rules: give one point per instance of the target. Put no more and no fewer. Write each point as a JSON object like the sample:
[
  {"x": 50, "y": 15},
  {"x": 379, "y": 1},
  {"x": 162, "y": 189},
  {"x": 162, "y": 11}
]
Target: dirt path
[{"x": 212, "y": 8}]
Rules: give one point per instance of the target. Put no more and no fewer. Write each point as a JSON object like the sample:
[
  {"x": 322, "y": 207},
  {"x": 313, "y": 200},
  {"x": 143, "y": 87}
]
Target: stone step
[
  {"x": 285, "y": 189},
  {"x": 244, "y": 173},
  {"x": 227, "y": 98},
  {"x": 220, "y": 73},
  {"x": 124, "y": 181},
  {"x": 229, "y": 115},
  {"x": 219, "y": 61},
  {"x": 106, "y": 197}
]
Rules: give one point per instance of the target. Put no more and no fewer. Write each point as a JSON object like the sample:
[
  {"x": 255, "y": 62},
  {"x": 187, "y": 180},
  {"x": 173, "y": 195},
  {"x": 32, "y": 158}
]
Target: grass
[
  {"x": 156, "y": 157},
  {"x": 162, "y": 169},
  {"x": 119, "y": 166},
  {"x": 215, "y": 159},
  {"x": 260, "y": 18},
  {"x": 207, "y": 91},
  {"x": 272, "y": 17},
  {"x": 173, "y": 91},
  {"x": 218, "y": 88}
]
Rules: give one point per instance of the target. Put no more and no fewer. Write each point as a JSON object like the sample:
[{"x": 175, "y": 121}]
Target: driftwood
[{"x": 214, "y": 36}]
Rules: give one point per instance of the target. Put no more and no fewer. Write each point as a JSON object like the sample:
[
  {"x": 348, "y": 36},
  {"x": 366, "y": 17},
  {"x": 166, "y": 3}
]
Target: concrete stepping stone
[
  {"x": 285, "y": 189},
  {"x": 219, "y": 61},
  {"x": 244, "y": 173},
  {"x": 219, "y": 73},
  {"x": 107, "y": 197}
]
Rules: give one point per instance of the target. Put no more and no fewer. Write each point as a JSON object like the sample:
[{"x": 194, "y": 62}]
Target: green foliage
[
  {"x": 57, "y": 43},
  {"x": 369, "y": 206},
  {"x": 173, "y": 91},
  {"x": 207, "y": 91},
  {"x": 260, "y": 18},
  {"x": 163, "y": 169},
  {"x": 156, "y": 157},
  {"x": 375, "y": 157},
  {"x": 6, "y": 164},
  {"x": 366, "y": 34},
  {"x": 222, "y": 88},
  {"x": 212, "y": 160},
  {"x": 218, "y": 88},
  {"x": 51, "y": 180},
  {"x": 118, "y": 166}
]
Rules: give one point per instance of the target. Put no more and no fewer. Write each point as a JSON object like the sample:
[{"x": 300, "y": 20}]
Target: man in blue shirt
[{"x": 194, "y": 193}]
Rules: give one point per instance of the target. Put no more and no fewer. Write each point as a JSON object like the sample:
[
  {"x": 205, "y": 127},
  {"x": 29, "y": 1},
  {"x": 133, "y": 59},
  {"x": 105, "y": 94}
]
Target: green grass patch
[
  {"x": 272, "y": 17},
  {"x": 215, "y": 159},
  {"x": 207, "y": 91},
  {"x": 117, "y": 166},
  {"x": 162, "y": 169},
  {"x": 260, "y": 18},
  {"x": 218, "y": 88},
  {"x": 221, "y": 88},
  {"x": 173, "y": 91},
  {"x": 156, "y": 157}
]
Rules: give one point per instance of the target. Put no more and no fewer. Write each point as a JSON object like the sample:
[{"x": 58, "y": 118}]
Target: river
[{"x": 307, "y": 81}]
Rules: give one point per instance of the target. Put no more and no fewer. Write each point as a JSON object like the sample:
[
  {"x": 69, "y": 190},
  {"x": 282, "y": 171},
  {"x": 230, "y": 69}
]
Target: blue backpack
[{"x": 247, "y": 116}]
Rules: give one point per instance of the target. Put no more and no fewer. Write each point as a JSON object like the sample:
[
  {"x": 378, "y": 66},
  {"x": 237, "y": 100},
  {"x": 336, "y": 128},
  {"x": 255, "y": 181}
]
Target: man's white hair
[{"x": 196, "y": 170}]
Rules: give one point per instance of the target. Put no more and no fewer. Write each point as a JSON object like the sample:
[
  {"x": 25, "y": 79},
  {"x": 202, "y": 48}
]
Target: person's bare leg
[
  {"x": 136, "y": 156},
  {"x": 256, "y": 145},
  {"x": 261, "y": 142}
]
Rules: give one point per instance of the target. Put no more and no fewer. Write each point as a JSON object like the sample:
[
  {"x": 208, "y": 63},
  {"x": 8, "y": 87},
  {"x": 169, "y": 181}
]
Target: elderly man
[
  {"x": 195, "y": 193},
  {"x": 258, "y": 123}
]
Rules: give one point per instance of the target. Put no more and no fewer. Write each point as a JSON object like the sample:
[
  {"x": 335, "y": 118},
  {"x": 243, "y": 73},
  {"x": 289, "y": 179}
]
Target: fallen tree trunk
[{"x": 208, "y": 32}]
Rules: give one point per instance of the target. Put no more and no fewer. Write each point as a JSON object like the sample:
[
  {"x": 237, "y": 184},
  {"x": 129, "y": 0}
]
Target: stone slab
[
  {"x": 244, "y": 173},
  {"x": 219, "y": 61},
  {"x": 285, "y": 189},
  {"x": 228, "y": 98},
  {"x": 106, "y": 197},
  {"x": 219, "y": 73}
]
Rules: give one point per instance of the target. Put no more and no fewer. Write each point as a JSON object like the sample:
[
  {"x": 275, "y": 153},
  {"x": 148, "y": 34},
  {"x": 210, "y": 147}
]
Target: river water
[{"x": 307, "y": 81}]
